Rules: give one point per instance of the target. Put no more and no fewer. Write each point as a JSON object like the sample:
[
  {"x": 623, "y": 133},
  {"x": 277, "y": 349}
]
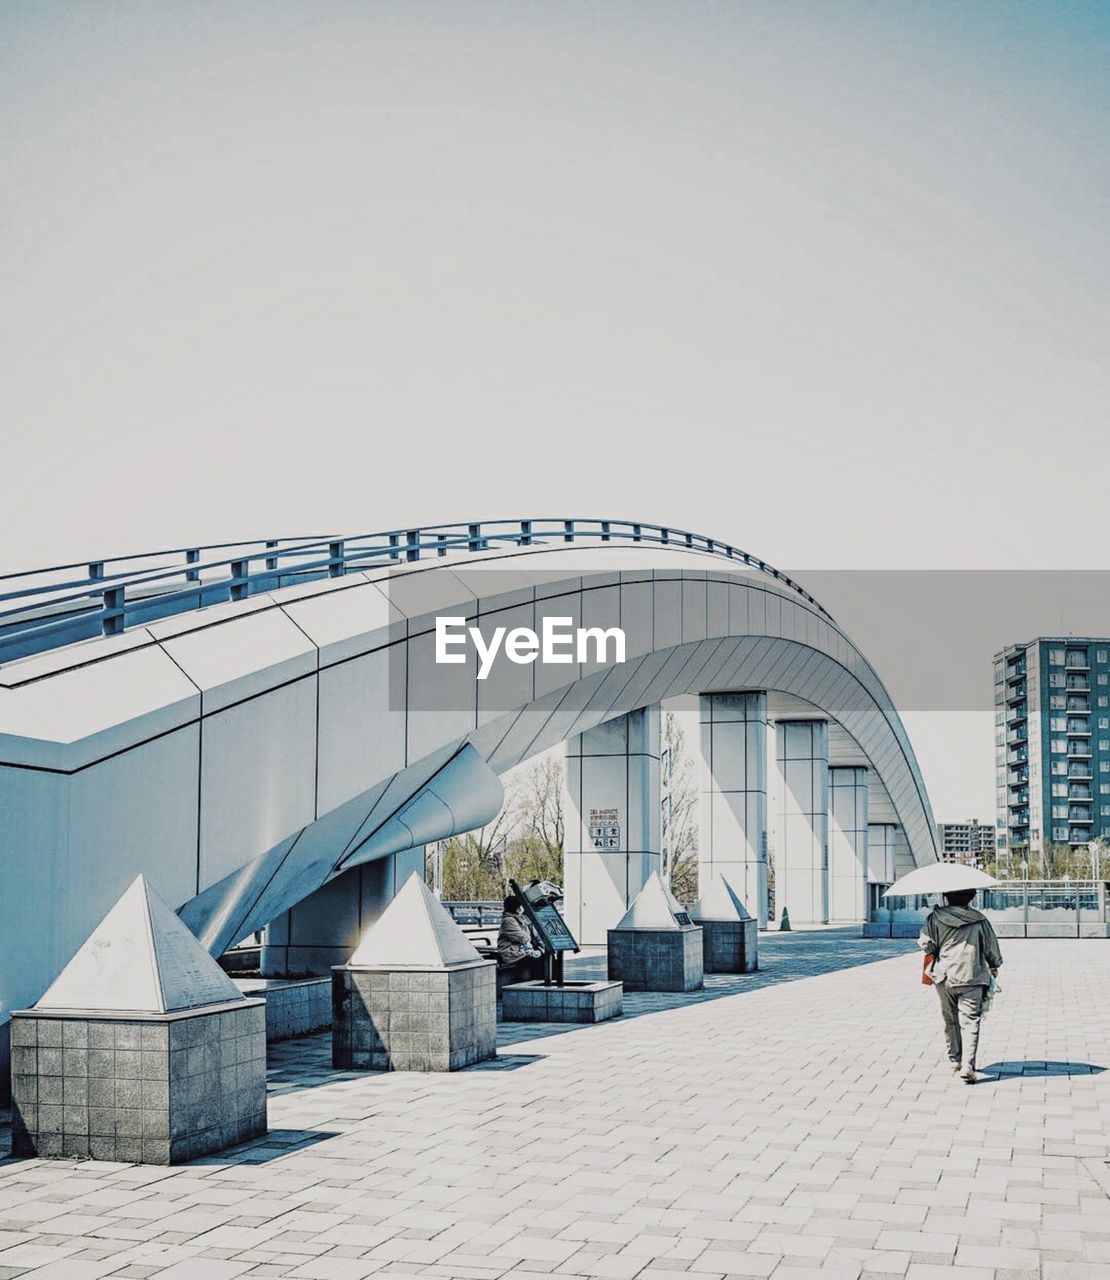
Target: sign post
[{"x": 539, "y": 905}]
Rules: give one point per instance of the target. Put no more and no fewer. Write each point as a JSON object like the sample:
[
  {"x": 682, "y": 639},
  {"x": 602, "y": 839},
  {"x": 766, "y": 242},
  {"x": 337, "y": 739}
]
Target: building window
[
  {"x": 1055, "y": 657},
  {"x": 1104, "y": 810},
  {"x": 1059, "y": 833},
  {"x": 1056, "y": 680},
  {"x": 1057, "y": 702},
  {"x": 1103, "y": 678},
  {"x": 1104, "y": 766},
  {"x": 1059, "y": 810},
  {"x": 1103, "y": 700},
  {"x": 1104, "y": 722},
  {"x": 1058, "y": 724},
  {"x": 1059, "y": 746},
  {"x": 1104, "y": 744},
  {"x": 1060, "y": 768},
  {"x": 1059, "y": 788},
  {"x": 1102, "y": 655},
  {"x": 1104, "y": 788}
]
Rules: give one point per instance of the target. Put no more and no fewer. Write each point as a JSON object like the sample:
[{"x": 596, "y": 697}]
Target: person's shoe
[
  {"x": 955, "y": 1067},
  {"x": 970, "y": 1076}
]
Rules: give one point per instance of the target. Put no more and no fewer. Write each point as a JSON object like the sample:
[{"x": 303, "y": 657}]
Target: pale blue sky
[{"x": 821, "y": 280}]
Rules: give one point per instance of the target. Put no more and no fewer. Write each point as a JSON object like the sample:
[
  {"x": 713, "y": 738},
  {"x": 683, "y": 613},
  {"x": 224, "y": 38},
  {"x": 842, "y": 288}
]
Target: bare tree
[
  {"x": 542, "y": 795},
  {"x": 680, "y": 811},
  {"x": 474, "y": 863},
  {"x": 524, "y": 842}
]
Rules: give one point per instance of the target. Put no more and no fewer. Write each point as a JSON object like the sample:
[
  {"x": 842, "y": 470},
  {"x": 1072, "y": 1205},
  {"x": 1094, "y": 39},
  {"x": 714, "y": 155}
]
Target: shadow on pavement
[
  {"x": 783, "y": 957},
  {"x": 507, "y": 1062},
  {"x": 1015, "y": 1070},
  {"x": 272, "y": 1145}
]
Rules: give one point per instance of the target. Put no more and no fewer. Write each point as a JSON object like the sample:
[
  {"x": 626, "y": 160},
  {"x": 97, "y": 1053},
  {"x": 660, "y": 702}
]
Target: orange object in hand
[{"x": 927, "y": 964}]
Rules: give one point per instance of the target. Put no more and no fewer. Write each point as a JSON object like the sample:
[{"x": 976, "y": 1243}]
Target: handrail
[{"x": 118, "y": 591}]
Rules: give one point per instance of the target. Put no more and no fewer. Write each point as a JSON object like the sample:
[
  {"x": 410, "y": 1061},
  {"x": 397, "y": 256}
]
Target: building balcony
[
  {"x": 1016, "y": 672},
  {"x": 1080, "y": 664},
  {"x": 1077, "y": 684},
  {"x": 1076, "y": 731},
  {"x": 1079, "y": 705},
  {"x": 1020, "y": 712},
  {"x": 1080, "y": 793},
  {"x": 1086, "y": 822},
  {"x": 1019, "y": 776},
  {"x": 1017, "y": 692},
  {"x": 1079, "y": 749},
  {"x": 1080, "y": 771}
]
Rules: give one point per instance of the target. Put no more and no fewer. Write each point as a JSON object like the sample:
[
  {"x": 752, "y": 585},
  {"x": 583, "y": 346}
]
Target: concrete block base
[
  {"x": 657, "y": 959},
  {"x": 573, "y": 1002},
  {"x": 293, "y": 1007},
  {"x": 730, "y": 946},
  {"x": 142, "y": 1088},
  {"x": 893, "y": 928},
  {"x": 414, "y": 1019}
]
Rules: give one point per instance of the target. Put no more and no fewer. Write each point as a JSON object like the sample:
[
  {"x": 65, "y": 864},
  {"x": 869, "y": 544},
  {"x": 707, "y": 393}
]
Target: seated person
[{"x": 515, "y": 945}]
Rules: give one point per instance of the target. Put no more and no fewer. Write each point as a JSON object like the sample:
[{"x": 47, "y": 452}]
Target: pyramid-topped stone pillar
[
  {"x": 656, "y": 946},
  {"x": 142, "y": 1050},
  {"x": 415, "y": 995},
  {"x": 729, "y": 934}
]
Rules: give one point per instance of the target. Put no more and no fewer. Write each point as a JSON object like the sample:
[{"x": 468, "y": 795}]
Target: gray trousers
[{"x": 961, "y": 1008}]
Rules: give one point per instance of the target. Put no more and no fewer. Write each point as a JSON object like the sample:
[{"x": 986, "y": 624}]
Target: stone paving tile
[{"x": 795, "y": 1123}]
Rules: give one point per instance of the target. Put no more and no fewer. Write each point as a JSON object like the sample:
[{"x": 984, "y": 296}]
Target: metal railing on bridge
[{"x": 44, "y": 609}]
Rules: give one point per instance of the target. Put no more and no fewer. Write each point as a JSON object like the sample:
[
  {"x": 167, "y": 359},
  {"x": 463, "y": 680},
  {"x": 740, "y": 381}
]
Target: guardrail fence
[
  {"x": 1016, "y": 909},
  {"x": 43, "y": 609}
]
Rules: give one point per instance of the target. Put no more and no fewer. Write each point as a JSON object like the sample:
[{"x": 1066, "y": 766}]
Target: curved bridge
[{"x": 243, "y": 727}]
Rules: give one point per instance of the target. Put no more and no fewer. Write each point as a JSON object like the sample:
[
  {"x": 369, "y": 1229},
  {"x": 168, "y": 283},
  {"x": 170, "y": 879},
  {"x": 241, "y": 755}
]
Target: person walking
[{"x": 966, "y": 956}]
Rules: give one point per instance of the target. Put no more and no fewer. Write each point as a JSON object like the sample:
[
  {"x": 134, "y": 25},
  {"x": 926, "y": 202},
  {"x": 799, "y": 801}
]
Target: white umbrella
[{"x": 940, "y": 877}]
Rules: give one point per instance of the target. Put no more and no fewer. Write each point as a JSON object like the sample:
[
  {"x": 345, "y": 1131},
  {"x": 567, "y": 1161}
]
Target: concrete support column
[
  {"x": 848, "y": 841},
  {"x": 802, "y": 853},
  {"x": 612, "y": 839},
  {"x": 881, "y": 840},
  {"x": 903, "y": 857},
  {"x": 324, "y": 928},
  {"x": 732, "y": 819}
]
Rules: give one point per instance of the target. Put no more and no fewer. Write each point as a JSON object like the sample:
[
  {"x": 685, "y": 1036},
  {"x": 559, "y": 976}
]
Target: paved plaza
[{"x": 796, "y": 1123}]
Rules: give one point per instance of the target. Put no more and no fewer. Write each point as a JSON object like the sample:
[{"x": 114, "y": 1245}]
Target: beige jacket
[
  {"x": 964, "y": 944},
  {"x": 512, "y": 939}
]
